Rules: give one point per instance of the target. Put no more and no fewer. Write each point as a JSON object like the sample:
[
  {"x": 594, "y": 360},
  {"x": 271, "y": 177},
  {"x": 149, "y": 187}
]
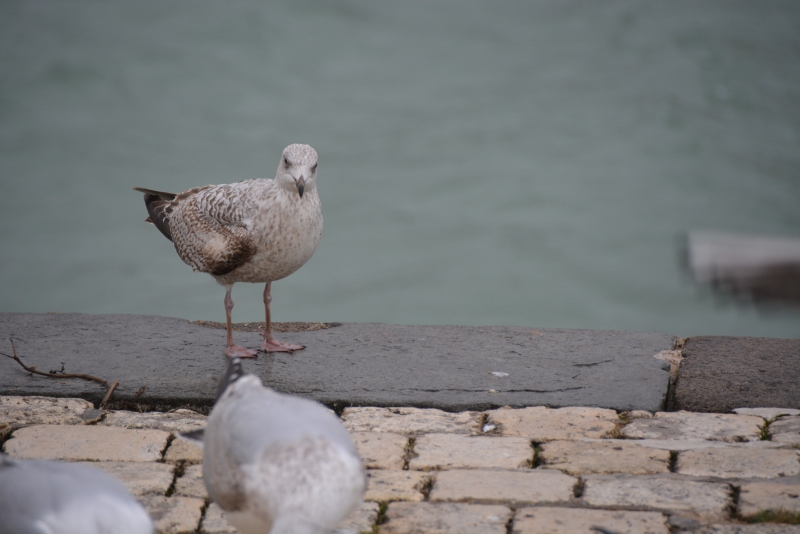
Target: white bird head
[{"x": 297, "y": 171}]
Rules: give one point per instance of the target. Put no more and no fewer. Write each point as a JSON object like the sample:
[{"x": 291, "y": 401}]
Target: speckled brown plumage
[{"x": 252, "y": 231}]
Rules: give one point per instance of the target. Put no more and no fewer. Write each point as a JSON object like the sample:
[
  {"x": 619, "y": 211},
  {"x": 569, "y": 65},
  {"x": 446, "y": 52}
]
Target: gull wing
[{"x": 208, "y": 229}]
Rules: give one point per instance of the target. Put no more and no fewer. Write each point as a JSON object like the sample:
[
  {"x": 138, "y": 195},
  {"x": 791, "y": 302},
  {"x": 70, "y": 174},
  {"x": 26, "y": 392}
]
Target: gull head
[{"x": 297, "y": 171}]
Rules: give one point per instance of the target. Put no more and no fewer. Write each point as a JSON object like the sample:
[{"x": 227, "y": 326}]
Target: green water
[{"x": 518, "y": 163}]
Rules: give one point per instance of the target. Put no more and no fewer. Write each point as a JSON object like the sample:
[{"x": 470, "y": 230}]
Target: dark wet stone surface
[
  {"x": 447, "y": 367},
  {"x": 719, "y": 374}
]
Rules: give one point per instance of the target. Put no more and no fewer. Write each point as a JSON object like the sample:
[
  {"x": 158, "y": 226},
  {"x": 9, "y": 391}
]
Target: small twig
[
  {"x": 61, "y": 374},
  {"x": 51, "y": 374},
  {"x": 108, "y": 394}
]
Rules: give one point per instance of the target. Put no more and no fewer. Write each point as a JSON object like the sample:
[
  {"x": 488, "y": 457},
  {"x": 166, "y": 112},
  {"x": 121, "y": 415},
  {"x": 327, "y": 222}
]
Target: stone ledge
[{"x": 454, "y": 368}]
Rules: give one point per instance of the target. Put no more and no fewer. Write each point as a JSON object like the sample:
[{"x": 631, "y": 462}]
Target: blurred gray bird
[
  {"x": 252, "y": 231},
  {"x": 278, "y": 463},
  {"x": 44, "y": 497}
]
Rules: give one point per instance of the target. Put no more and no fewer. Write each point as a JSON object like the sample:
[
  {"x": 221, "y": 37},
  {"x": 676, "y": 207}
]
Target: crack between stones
[
  {"x": 577, "y": 489},
  {"x": 409, "y": 452},
  {"x": 590, "y": 364},
  {"x": 163, "y": 453},
  {"x": 500, "y": 391},
  {"x": 764, "y": 433},
  {"x": 177, "y": 472},
  {"x": 381, "y": 519},
  {"x": 733, "y": 509},
  {"x": 203, "y": 510},
  {"x": 427, "y": 487},
  {"x": 510, "y": 522},
  {"x": 537, "y": 459}
]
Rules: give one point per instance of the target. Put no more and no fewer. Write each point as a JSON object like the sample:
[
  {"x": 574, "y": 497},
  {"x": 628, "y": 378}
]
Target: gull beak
[{"x": 301, "y": 185}]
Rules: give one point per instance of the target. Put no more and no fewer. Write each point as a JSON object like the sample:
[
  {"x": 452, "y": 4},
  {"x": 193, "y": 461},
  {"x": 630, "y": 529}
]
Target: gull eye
[
  {"x": 285, "y": 161},
  {"x": 314, "y": 168}
]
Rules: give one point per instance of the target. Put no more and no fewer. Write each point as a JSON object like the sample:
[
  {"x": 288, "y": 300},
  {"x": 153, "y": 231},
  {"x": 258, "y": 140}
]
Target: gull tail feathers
[
  {"x": 159, "y": 207},
  {"x": 161, "y": 194}
]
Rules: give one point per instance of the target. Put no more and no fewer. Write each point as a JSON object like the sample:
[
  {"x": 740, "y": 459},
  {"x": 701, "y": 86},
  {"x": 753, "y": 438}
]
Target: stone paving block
[
  {"x": 174, "y": 515},
  {"x": 529, "y": 486},
  {"x": 705, "y": 500},
  {"x": 603, "y": 457},
  {"x": 410, "y": 421},
  {"x": 739, "y": 462},
  {"x": 92, "y": 443},
  {"x": 720, "y": 373},
  {"x": 698, "y": 444},
  {"x": 384, "y": 486},
  {"x": 214, "y": 521},
  {"x": 190, "y": 483},
  {"x": 175, "y": 421},
  {"x": 183, "y": 451},
  {"x": 381, "y": 450},
  {"x": 549, "y": 520},
  {"x": 786, "y": 430},
  {"x": 453, "y": 451},
  {"x": 445, "y": 518},
  {"x": 688, "y": 425},
  {"x": 759, "y": 528},
  {"x": 766, "y": 413},
  {"x": 141, "y": 478},
  {"x": 755, "y": 497},
  {"x": 539, "y": 423},
  {"x": 46, "y": 411},
  {"x": 361, "y": 520}
]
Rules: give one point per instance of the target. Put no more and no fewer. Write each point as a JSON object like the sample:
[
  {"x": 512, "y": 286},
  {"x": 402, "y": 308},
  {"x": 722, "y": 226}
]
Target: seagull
[
  {"x": 252, "y": 231},
  {"x": 278, "y": 463},
  {"x": 60, "y": 498}
]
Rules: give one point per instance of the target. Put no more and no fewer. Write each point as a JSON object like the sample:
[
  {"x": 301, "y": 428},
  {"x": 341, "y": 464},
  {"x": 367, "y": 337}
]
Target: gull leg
[
  {"x": 231, "y": 349},
  {"x": 270, "y": 343}
]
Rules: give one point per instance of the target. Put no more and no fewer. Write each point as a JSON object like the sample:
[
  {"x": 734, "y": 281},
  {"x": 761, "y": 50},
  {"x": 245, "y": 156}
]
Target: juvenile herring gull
[
  {"x": 61, "y": 498},
  {"x": 278, "y": 463},
  {"x": 253, "y": 231}
]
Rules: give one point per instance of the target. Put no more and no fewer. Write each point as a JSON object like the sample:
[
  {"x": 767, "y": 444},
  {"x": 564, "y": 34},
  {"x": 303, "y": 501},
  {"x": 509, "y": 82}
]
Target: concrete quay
[
  {"x": 506, "y": 470},
  {"x": 165, "y": 363}
]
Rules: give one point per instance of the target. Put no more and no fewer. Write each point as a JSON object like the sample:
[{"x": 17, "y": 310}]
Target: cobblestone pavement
[{"x": 529, "y": 470}]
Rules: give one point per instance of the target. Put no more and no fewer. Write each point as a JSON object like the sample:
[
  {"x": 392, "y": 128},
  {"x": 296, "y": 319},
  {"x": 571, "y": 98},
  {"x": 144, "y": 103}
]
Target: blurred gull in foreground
[
  {"x": 763, "y": 267},
  {"x": 38, "y": 496},
  {"x": 277, "y": 463}
]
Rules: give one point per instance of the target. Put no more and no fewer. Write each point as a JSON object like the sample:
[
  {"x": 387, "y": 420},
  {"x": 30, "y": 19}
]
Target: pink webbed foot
[
  {"x": 273, "y": 345},
  {"x": 232, "y": 351}
]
